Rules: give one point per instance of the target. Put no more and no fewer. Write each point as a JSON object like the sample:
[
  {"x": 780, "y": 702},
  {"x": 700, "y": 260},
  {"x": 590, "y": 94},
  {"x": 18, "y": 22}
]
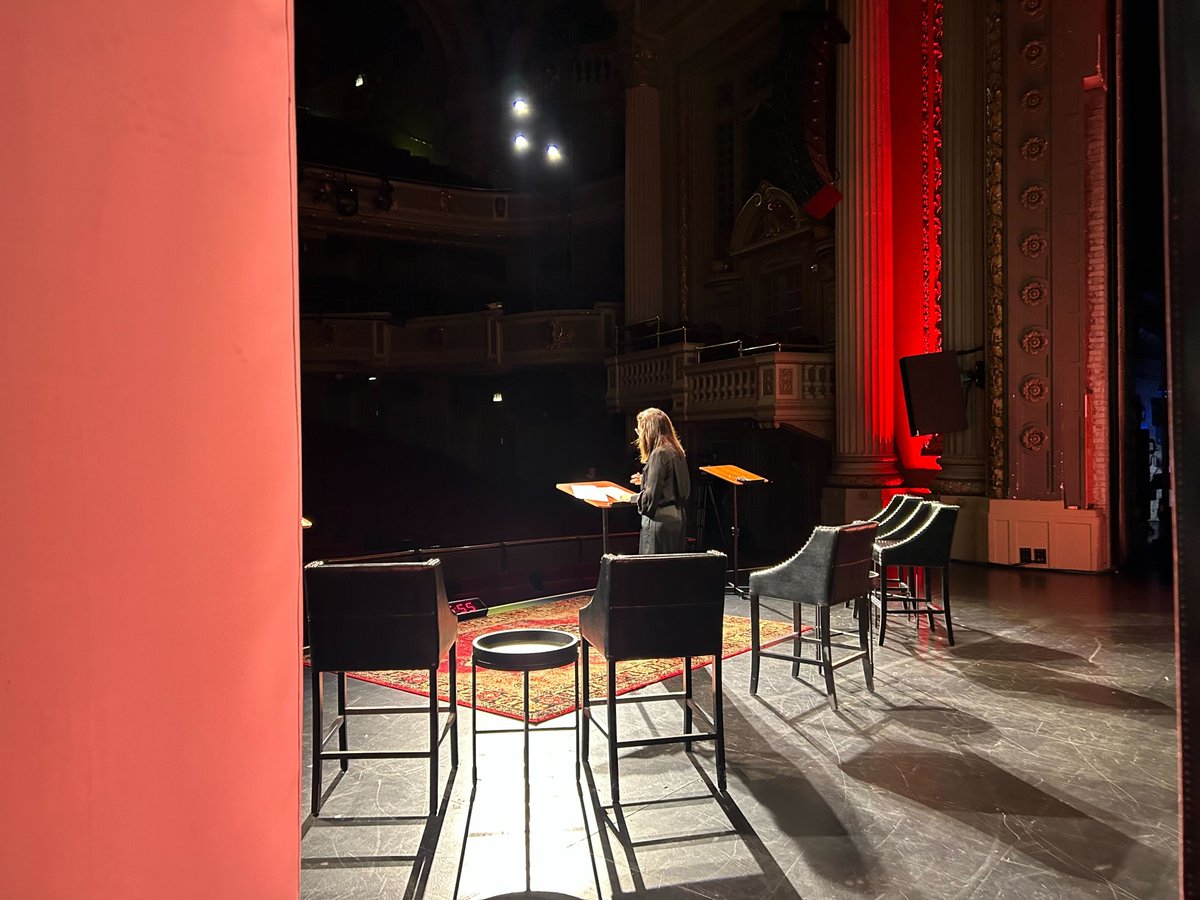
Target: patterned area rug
[{"x": 552, "y": 692}]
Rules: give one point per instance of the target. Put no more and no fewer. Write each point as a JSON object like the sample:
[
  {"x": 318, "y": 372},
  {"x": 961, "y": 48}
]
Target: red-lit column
[
  {"x": 864, "y": 359},
  {"x": 643, "y": 189}
]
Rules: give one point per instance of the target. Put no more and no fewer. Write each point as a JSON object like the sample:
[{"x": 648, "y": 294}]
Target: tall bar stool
[{"x": 924, "y": 543}]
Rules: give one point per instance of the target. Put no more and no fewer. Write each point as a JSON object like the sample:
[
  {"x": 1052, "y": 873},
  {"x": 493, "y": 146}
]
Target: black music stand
[{"x": 736, "y": 476}]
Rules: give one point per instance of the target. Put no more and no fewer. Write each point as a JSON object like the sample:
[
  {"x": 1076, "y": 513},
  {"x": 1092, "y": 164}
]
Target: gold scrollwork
[{"x": 994, "y": 168}]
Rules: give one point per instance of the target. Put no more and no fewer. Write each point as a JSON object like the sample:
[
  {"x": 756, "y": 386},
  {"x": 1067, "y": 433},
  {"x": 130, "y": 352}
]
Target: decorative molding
[
  {"x": 1035, "y": 243},
  {"x": 955, "y": 487},
  {"x": 1035, "y": 340},
  {"x": 1033, "y": 99},
  {"x": 1033, "y": 8},
  {"x": 932, "y": 31},
  {"x": 683, "y": 140},
  {"x": 768, "y": 216},
  {"x": 994, "y": 169},
  {"x": 561, "y": 334},
  {"x": 1034, "y": 389},
  {"x": 1034, "y": 148},
  {"x": 1034, "y": 439},
  {"x": 1034, "y": 196},
  {"x": 1035, "y": 292},
  {"x": 1034, "y": 53}
]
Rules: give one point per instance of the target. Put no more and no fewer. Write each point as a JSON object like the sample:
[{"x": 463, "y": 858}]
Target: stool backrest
[
  {"x": 851, "y": 576},
  {"x": 364, "y": 616}
]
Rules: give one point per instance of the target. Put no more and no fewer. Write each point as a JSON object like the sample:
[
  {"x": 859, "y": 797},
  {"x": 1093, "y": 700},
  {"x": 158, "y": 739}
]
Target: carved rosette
[
  {"x": 1034, "y": 148},
  {"x": 1034, "y": 196},
  {"x": 1034, "y": 389},
  {"x": 1034, "y": 341},
  {"x": 1033, "y": 99},
  {"x": 1035, "y": 243},
  {"x": 994, "y": 174},
  {"x": 1034, "y": 53},
  {"x": 1034, "y": 439},
  {"x": 1035, "y": 9},
  {"x": 1035, "y": 292}
]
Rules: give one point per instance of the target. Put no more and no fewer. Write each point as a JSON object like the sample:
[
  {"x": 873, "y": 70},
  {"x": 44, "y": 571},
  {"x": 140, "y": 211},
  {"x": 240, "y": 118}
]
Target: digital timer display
[{"x": 469, "y": 608}]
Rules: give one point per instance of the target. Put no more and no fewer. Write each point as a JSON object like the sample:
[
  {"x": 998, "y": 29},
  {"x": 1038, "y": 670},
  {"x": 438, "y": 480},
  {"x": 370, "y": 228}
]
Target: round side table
[{"x": 523, "y": 650}]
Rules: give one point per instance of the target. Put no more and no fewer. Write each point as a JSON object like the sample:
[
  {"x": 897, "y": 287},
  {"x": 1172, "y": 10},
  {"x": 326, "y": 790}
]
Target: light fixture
[
  {"x": 372, "y": 378},
  {"x": 497, "y": 397},
  {"x": 520, "y": 107},
  {"x": 360, "y": 80},
  {"x": 520, "y": 143},
  {"x": 553, "y": 154}
]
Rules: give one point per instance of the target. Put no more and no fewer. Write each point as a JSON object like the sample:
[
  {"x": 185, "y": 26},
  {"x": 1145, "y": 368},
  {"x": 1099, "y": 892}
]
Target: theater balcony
[{"x": 768, "y": 384}]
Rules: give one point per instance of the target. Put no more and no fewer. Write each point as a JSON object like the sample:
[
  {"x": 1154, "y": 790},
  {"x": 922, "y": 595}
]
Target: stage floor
[{"x": 1036, "y": 758}]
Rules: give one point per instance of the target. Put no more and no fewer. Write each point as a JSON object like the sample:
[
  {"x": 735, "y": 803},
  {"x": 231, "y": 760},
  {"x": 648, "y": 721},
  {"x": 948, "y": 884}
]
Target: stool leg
[
  {"x": 797, "y": 642},
  {"x": 827, "y": 653},
  {"x": 587, "y": 696},
  {"x": 687, "y": 699},
  {"x": 719, "y": 721},
  {"x": 525, "y": 723},
  {"x": 342, "y": 728},
  {"x": 474, "y": 724},
  {"x": 452, "y": 664},
  {"x": 755, "y": 642},
  {"x": 946, "y": 604},
  {"x": 433, "y": 741},
  {"x": 929, "y": 602},
  {"x": 612, "y": 732},
  {"x": 863, "y": 609},
  {"x": 883, "y": 602},
  {"x": 576, "y": 713},
  {"x": 318, "y": 730}
]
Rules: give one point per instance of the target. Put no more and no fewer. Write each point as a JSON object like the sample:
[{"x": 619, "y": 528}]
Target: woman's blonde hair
[{"x": 653, "y": 430}]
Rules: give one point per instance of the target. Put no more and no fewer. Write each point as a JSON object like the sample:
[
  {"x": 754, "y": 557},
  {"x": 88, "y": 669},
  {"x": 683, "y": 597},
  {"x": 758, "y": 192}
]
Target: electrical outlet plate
[
  {"x": 1026, "y": 555},
  {"x": 1039, "y": 555}
]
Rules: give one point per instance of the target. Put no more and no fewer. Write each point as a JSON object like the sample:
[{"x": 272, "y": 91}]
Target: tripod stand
[{"x": 736, "y": 477}]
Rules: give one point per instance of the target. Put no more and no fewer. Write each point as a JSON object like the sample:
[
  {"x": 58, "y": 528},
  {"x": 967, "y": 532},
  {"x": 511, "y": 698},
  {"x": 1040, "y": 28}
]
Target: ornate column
[
  {"x": 643, "y": 188},
  {"x": 864, "y": 358},
  {"x": 964, "y": 280}
]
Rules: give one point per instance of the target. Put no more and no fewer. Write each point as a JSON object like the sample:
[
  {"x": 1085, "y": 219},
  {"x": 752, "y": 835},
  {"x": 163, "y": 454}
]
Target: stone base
[
  {"x": 971, "y": 529},
  {"x": 840, "y": 505},
  {"x": 1074, "y": 539}
]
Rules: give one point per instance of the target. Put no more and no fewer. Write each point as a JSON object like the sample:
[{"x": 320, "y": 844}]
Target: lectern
[
  {"x": 737, "y": 477},
  {"x": 603, "y": 495}
]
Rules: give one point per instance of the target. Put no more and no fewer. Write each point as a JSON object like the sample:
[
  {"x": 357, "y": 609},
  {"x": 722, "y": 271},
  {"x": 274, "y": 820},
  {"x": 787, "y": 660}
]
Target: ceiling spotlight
[
  {"x": 360, "y": 80},
  {"x": 521, "y": 143},
  {"x": 553, "y": 154},
  {"x": 520, "y": 107}
]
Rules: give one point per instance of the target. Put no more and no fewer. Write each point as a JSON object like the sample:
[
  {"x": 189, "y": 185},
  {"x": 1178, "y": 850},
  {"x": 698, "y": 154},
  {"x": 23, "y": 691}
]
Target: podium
[
  {"x": 603, "y": 495},
  {"x": 737, "y": 477}
]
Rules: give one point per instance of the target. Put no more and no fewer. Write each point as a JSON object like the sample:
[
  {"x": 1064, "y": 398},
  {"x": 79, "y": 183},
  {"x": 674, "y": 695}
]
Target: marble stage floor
[{"x": 1036, "y": 758}]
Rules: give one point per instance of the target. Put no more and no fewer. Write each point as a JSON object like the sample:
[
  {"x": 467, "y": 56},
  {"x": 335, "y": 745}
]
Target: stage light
[
  {"x": 520, "y": 143},
  {"x": 360, "y": 80},
  {"x": 553, "y": 154},
  {"x": 520, "y": 107},
  {"x": 497, "y": 397}
]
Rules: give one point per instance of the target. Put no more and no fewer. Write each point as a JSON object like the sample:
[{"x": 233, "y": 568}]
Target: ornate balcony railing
[
  {"x": 771, "y": 388},
  {"x": 465, "y": 342}
]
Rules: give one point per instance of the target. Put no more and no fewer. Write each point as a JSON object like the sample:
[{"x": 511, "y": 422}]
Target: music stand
[
  {"x": 603, "y": 495},
  {"x": 737, "y": 477}
]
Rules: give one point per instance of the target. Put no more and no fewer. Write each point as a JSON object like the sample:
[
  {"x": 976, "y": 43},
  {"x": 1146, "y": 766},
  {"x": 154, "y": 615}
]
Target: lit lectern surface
[{"x": 601, "y": 494}]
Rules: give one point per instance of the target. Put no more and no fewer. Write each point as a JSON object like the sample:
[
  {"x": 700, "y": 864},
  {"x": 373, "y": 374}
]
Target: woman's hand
[{"x": 636, "y": 478}]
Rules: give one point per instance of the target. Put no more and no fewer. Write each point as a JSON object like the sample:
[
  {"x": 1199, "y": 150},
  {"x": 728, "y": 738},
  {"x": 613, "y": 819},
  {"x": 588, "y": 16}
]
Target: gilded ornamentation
[
  {"x": 1034, "y": 196},
  {"x": 683, "y": 140},
  {"x": 1035, "y": 243},
  {"x": 1035, "y": 340},
  {"x": 560, "y": 335},
  {"x": 932, "y": 26},
  {"x": 994, "y": 174},
  {"x": 1033, "y": 99},
  {"x": 1035, "y": 292},
  {"x": 1034, "y": 148},
  {"x": 1034, "y": 53},
  {"x": 1034, "y": 389},
  {"x": 1034, "y": 439}
]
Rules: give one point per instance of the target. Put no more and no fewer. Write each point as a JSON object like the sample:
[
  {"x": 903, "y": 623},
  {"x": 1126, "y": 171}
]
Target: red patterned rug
[{"x": 552, "y": 692}]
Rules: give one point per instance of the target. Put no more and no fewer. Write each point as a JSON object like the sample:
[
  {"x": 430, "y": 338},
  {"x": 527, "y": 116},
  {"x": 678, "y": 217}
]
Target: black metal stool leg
[
  {"x": 797, "y": 643},
  {"x": 612, "y": 731},
  {"x": 318, "y": 732},
  {"x": 474, "y": 724},
  {"x": 585, "y": 711},
  {"x": 827, "y": 653},
  {"x": 883, "y": 602},
  {"x": 755, "y": 642},
  {"x": 433, "y": 741},
  {"x": 862, "y": 607},
  {"x": 946, "y": 604},
  {"x": 719, "y": 721},
  {"x": 342, "y": 728},
  {"x": 452, "y": 664},
  {"x": 687, "y": 699}
]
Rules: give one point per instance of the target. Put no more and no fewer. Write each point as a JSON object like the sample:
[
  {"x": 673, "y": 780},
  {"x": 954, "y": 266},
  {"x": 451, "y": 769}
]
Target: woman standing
[{"x": 665, "y": 485}]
